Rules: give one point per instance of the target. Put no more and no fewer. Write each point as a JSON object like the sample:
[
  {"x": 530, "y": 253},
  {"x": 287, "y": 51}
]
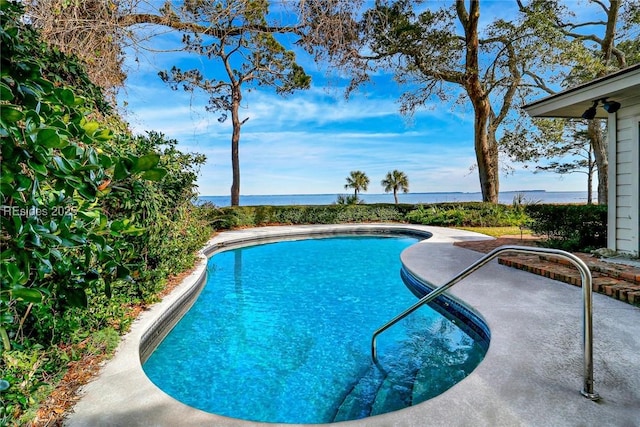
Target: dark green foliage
[
  {"x": 460, "y": 214},
  {"x": 570, "y": 227},
  {"x": 91, "y": 222},
  {"x": 330, "y": 214},
  {"x": 347, "y": 199},
  {"x": 162, "y": 208},
  {"x": 473, "y": 214},
  {"x": 57, "y": 244}
]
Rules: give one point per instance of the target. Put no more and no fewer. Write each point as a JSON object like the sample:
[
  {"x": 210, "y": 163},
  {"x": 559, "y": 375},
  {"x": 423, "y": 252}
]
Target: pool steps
[
  {"x": 398, "y": 384},
  {"x": 395, "y": 394},
  {"x": 358, "y": 402},
  {"x": 378, "y": 392}
]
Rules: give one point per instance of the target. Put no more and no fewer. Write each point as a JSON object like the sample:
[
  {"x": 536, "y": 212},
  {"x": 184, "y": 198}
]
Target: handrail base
[{"x": 591, "y": 396}]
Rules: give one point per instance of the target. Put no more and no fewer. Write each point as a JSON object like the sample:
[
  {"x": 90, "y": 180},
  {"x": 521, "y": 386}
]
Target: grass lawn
[{"x": 497, "y": 231}]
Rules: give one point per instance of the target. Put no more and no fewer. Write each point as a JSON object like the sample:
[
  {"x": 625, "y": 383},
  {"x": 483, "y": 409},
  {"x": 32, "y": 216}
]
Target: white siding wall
[{"x": 624, "y": 200}]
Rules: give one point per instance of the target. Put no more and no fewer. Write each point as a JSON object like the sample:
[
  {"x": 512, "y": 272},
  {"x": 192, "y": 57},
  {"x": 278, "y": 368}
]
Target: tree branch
[
  {"x": 539, "y": 82},
  {"x": 176, "y": 24},
  {"x": 462, "y": 12},
  {"x": 579, "y": 36},
  {"x": 608, "y": 43},
  {"x": 512, "y": 63},
  {"x": 585, "y": 24},
  {"x": 602, "y": 5}
]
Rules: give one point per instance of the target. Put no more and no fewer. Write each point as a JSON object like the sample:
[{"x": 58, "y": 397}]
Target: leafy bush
[
  {"x": 163, "y": 208},
  {"x": 471, "y": 214},
  {"x": 250, "y": 216},
  {"x": 56, "y": 241},
  {"x": 34, "y": 371},
  {"x": 570, "y": 227},
  {"x": 347, "y": 199},
  {"x": 462, "y": 214},
  {"x": 92, "y": 222}
]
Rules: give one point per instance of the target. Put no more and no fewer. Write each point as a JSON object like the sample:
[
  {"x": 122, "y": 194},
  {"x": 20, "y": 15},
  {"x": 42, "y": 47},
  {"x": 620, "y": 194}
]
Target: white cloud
[{"x": 310, "y": 141}]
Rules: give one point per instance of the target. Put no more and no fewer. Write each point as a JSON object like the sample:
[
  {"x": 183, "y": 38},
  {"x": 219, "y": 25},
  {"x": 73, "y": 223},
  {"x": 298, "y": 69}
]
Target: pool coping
[{"x": 493, "y": 394}]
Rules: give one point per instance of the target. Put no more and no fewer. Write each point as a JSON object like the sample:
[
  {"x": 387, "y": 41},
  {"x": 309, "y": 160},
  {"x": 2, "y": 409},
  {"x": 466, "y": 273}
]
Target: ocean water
[{"x": 539, "y": 196}]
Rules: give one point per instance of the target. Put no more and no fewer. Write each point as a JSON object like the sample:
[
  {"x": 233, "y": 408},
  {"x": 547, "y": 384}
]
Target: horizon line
[{"x": 391, "y": 194}]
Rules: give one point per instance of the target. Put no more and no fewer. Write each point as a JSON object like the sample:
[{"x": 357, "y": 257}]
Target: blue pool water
[{"x": 281, "y": 333}]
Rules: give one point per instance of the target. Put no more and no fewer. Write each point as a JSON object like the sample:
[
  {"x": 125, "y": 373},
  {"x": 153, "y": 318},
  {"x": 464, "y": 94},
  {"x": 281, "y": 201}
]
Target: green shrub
[
  {"x": 473, "y": 214},
  {"x": 92, "y": 222},
  {"x": 235, "y": 217},
  {"x": 446, "y": 214},
  {"x": 26, "y": 370},
  {"x": 163, "y": 208},
  {"x": 250, "y": 216},
  {"x": 215, "y": 217},
  {"x": 570, "y": 227},
  {"x": 34, "y": 372},
  {"x": 57, "y": 243},
  {"x": 347, "y": 199}
]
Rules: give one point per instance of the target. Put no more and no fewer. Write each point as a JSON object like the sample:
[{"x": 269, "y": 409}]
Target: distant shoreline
[
  {"x": 505, "y": 197},
  {"x": 391, "y": 194}
]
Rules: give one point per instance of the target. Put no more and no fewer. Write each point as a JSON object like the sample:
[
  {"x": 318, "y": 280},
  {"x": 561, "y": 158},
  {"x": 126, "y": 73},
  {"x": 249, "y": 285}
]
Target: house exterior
[{"x": 623, "y": 87}]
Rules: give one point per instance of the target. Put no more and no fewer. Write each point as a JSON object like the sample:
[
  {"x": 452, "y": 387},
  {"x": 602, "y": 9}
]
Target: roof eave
[{"x": 571, "y": 103}]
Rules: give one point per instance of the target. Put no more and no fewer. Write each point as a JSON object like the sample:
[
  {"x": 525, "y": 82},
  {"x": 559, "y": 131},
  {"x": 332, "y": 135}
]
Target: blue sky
[{"x": 310, "y": 141}]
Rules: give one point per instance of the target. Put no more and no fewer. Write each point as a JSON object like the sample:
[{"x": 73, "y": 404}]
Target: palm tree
[
  {"x": 357, "y": 180},
  {"x": 395, "y": 181}
]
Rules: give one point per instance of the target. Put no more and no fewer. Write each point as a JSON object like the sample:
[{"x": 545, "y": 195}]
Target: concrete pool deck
[{"x": 531, "y": 374}]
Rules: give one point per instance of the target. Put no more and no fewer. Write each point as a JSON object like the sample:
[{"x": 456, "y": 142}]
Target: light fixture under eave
[
  {"x": 590, "y": 113},
  {"x": 610, "y": 106}
]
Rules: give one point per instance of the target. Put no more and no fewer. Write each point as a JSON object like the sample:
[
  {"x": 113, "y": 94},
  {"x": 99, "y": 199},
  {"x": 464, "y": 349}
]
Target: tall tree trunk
[
  {"x": 596, "y": 136},
  {"x": 599, "y": 145},
  {"x": 486, "y": 150},
  {"x": 395, "y": 195},
  {"x": 607, "y": 45},
  {"x": 235, "y": 143},
  {"x": 590, "y": 188},
  {"x": 492, "y": 176},
  {"x": 590, "y": 170}
]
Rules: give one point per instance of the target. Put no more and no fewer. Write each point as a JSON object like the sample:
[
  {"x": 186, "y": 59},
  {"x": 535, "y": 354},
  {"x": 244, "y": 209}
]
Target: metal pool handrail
[{"x": 587, "y": 326}]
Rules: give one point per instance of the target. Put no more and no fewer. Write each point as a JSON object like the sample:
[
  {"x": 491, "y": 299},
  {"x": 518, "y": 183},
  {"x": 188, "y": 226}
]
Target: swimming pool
[{"x": 281, "y": 333}]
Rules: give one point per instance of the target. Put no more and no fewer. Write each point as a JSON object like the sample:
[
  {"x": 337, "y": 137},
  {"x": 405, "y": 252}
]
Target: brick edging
[
  {"x": 617, "y": 288},
  {"x": 616, "y": 271}
]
